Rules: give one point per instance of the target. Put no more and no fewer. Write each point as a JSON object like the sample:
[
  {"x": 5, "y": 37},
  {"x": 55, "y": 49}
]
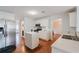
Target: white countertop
[
  {"x": 31, "y": 32},
  {"x": 67, "y": 45}
]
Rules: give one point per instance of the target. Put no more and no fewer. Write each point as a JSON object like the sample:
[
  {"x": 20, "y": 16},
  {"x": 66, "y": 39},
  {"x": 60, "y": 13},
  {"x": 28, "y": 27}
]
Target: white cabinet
[
  {"x": 45, "y": 35},
  {"x": 72, "y": 19},
  {"x": 32, "y": 40}
]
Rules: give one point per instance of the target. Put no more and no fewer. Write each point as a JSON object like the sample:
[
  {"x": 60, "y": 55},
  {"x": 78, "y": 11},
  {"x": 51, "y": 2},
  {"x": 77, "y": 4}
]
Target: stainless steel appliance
[{"x": 7, "y": 33}]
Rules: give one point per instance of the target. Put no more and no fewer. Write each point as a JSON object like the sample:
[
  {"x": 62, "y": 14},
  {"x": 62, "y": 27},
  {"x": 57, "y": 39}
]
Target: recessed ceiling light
[{"x": 32, "y": 12}]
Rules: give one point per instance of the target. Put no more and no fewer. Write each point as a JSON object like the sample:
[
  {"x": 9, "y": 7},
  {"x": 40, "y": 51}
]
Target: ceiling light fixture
[{"x": 32, "y": 12}]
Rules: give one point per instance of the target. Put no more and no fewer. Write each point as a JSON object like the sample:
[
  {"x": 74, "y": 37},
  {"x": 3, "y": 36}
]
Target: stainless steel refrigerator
[{"x": 7, "y": 33}]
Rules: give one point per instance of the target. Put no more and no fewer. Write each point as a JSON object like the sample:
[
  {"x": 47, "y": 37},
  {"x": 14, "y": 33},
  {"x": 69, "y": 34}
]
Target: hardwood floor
[{"x": 44, "y": 46}]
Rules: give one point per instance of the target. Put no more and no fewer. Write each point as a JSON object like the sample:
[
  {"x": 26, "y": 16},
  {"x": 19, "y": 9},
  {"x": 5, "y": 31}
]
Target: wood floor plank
[{"x": 44, "y": 46}]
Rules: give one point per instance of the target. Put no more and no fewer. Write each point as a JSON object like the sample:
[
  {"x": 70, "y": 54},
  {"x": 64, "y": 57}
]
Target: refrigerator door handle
[{"x": 5, "y": 30}]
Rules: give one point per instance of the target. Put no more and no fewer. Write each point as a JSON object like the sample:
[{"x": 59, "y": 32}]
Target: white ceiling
[{"x": 48, "y": 10}]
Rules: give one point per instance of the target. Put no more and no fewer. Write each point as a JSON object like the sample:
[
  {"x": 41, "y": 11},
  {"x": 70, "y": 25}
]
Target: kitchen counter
[
  {"x": 66, "y": 46},
  {"x": 32, "y": 39}
]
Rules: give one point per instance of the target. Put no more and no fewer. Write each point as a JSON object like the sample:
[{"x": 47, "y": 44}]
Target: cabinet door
[{"x": 72, "y": 18}]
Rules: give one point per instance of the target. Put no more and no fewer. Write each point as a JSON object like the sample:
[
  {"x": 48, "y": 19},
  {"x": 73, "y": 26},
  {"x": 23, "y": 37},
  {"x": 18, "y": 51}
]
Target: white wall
[
  {"x": 65, "y": 24},
  {"x": 77, "y": 21},
  {"x": 44, "y": 22},
  {"x": 17, "y": 31},
  {"x": 52, "y": 18},
  {"x": 28, "y": 23}
]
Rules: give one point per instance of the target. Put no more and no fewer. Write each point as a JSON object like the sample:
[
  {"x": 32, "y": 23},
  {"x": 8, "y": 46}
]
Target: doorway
[{"x": 57, "y": 26}]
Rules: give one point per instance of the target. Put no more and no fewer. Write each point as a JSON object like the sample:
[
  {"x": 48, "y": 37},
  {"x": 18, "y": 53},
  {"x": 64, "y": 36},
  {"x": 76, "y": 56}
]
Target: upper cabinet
[{"x": 72, "y": 19}]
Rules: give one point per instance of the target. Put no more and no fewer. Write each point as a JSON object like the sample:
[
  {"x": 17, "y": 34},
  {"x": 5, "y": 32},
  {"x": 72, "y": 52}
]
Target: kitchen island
[{"x": 32, "y": 39}]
